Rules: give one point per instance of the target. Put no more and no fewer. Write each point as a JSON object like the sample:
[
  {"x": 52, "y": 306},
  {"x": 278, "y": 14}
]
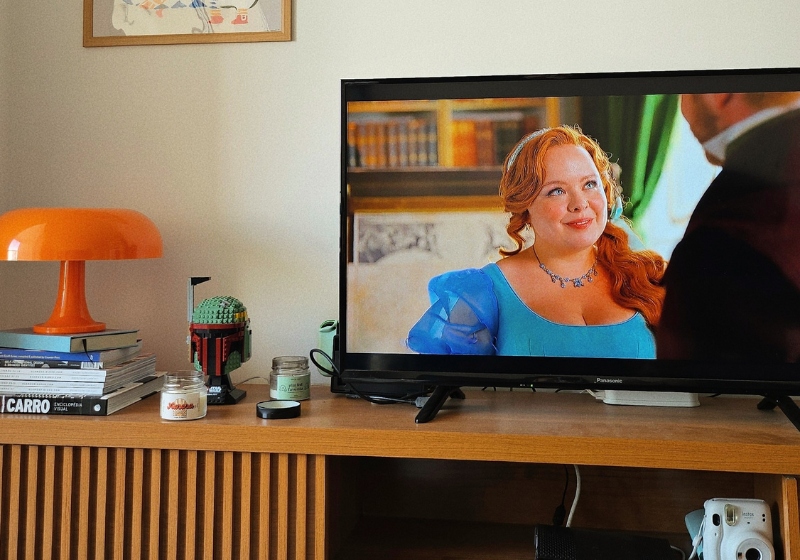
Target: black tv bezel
[{"x": 400, "y": 370}]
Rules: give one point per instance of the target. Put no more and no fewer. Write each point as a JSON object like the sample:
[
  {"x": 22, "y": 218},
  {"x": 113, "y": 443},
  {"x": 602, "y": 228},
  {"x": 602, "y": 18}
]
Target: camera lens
[{"x": 752, "y": 554}]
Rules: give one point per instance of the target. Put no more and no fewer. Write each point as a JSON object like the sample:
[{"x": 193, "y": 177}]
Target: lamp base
[
  {"x": 52, "y": 327},
  {"x": 70, "y": 314}
]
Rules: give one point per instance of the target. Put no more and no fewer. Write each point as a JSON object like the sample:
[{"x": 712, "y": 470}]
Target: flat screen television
[{"x": 421, "y": 165}]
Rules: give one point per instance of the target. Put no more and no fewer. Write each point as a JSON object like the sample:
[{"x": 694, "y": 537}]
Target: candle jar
[
  {"x": 290, "y": 379},
  {"x": 184, "y": 396}
]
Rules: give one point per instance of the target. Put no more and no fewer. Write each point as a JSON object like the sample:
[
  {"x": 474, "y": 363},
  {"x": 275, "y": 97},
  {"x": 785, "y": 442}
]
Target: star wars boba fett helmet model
[{"x": 219, "y": 339}]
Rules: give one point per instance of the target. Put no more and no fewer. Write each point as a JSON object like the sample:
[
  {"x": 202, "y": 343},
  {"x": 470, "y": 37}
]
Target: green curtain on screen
[{"x": 635, "y": 130}]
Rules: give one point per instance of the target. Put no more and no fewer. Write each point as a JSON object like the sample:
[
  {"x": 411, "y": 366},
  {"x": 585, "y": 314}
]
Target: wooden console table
[{"x": 351, "y": 480}]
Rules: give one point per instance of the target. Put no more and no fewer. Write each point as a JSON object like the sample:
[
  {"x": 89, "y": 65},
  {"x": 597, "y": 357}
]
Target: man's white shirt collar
[{"x": 718, "y": 145}]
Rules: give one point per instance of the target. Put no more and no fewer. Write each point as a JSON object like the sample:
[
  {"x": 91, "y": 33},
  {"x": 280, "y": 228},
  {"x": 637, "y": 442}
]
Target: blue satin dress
[{"x": 475, "y": 311}]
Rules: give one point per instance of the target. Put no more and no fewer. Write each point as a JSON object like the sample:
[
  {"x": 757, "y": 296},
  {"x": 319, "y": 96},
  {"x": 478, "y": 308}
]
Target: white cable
[
  {"x": 598, "y": 395},
  {"x": 698, "y": 538},
  {"x": 577, "y": 495},
  {"x": 679, "y": 551}
]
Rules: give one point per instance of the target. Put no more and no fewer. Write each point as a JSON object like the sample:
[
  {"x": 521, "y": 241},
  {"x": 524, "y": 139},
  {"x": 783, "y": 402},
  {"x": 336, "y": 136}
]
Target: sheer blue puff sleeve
[{"x": 463, "y": 316}]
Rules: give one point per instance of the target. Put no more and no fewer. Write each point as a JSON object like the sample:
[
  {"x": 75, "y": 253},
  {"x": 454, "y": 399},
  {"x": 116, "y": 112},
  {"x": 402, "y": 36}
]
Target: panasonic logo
[{"x": 609, "y": 380}]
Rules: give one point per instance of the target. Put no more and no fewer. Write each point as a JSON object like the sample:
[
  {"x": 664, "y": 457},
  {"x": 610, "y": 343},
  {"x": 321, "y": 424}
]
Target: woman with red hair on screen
[{"x": 578, "y": 290}]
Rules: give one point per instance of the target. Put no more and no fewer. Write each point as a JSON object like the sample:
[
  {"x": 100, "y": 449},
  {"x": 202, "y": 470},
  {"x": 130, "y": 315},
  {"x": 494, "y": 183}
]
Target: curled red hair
[{"x": 635, "y": 275}]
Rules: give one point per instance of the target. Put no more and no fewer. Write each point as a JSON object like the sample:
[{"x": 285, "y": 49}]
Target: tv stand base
[
  {"x": 435, "y": 402},
  {"x": 785, "y": 403}
]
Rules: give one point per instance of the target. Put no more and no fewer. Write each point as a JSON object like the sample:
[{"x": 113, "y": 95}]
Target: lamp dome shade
[
  {"x": 77, "y": 234},
  {"x": 73, "y": 236}
]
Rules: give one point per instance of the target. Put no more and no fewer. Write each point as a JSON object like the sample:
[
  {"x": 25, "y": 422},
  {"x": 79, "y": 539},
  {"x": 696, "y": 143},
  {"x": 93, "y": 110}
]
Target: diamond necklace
[{"x": 577, "y": 282}]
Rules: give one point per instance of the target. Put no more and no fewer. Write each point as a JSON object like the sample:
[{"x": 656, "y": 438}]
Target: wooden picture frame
[{"x": 108, "y": 23}]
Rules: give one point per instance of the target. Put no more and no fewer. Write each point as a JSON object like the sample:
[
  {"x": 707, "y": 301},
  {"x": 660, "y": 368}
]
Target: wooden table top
[{"x": 723, "y": 434}]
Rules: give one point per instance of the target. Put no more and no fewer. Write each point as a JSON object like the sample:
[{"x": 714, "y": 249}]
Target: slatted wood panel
[{"x": 97, "y": 503}]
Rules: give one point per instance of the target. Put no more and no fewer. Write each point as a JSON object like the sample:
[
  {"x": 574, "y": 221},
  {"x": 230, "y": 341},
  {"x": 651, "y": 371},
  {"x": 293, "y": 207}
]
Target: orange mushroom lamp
[{"x": 74, "y": 236}]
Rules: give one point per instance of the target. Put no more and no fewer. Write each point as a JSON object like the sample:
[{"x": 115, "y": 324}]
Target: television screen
[{"x": 593, "y": 231}]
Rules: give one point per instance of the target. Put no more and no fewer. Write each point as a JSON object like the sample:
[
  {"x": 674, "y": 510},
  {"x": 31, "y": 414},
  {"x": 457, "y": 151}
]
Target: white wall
[
  {"x": 5, "y": 77},
  {"x": 5, "y": 132},
  {"x": 233, "y": 149}
]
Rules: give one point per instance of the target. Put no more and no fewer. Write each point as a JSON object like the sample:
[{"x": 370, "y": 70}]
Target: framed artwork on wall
[{"x": 108, "y": 23}]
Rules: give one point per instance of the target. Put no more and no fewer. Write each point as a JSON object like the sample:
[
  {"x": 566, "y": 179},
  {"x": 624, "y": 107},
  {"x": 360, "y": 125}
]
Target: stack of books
[
  {"x": 90, "y": 373},
  {"x": 395, "y": 142}
]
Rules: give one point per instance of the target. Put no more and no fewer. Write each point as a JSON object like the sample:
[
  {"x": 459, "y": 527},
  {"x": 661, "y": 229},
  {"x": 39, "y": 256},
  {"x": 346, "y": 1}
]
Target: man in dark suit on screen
[{"x": 733, "y": 282}]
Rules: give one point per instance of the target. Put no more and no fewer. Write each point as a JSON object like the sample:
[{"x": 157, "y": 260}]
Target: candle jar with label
[
  {"x": 184, "y": 396},
  {"x": 290, "y": 379}
]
